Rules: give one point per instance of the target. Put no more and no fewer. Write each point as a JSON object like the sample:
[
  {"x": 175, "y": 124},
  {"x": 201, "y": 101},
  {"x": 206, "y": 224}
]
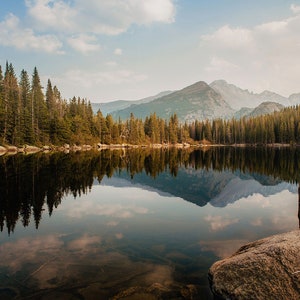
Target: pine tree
[
  {"x": 173, "y": 129},
  {"x": 11, "y": 106},
  {"x": 2, "y": 105},
  {"x": 25, "y": 95},
  {"x": 50, "y": 101},
  {"x": 40, "y": 117}
]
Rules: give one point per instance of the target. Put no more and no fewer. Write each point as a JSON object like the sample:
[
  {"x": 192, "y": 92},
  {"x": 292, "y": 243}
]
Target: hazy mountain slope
[
  {"x": 294, "y": 99},
  {"x": 197, "y": 101},
  {"x": 233, "y": 95},
  {"x": 243, "y": 112},
  {"x": 109, "y": 107},
  {"x": 267, "y": 96},
  {"x": 262, "y": 109},
  {"x": 200, "y": 101},
  {"x": 266, "y": 108},
  {"x": 238, "y": 98}
]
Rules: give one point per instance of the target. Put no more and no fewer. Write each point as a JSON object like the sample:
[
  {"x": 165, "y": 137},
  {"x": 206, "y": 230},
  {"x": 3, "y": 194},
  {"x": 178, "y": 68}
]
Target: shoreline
[{"x": 29, "y": 149}]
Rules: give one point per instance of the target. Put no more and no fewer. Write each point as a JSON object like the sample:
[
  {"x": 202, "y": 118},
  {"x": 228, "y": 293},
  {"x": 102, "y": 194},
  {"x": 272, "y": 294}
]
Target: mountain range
[{"x": 200, "y": 101}]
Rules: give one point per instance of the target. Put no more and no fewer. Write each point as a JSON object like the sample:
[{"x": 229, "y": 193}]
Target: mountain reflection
[{"x": 28, "y": 183}]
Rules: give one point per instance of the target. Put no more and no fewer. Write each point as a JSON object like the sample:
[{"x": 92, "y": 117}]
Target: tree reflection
[
  {"x": 299, "y": 205},
  {"x": 29, "y": 183}
]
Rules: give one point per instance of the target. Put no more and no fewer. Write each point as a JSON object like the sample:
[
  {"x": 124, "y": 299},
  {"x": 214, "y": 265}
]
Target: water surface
[{"x": 136, "y": 224}]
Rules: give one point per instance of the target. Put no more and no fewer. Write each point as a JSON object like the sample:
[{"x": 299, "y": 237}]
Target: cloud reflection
[
  {"x": 117, "y": 210},
  {"x": 87, "y": 266},
  {"x": 84, "y": 242},
  {"x": 26, "y": 250},
  {"x": 119, "y": 236},
  {"x": 222, "y": 248},
  {"x": 218, "y": 223}
]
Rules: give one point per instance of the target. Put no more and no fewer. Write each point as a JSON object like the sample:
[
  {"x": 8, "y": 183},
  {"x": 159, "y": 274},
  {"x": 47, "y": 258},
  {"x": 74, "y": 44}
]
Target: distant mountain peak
[
  {"x": 194, "y": 102},
  {"x": 219, "y": 82},
  {"x": 237, "y": 97},
  {"x": 266, "y": 92},
  {"x": 196, "y": 87},
  {"x": 269, "y": 93},
  {"x": 201, "y": 101}
]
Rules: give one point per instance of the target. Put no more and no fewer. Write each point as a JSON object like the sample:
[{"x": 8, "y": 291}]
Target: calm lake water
[{"x": 136, "y": 224}]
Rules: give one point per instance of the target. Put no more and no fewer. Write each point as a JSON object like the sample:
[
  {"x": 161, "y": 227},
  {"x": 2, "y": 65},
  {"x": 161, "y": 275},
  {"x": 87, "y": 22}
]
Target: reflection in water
[
  {"x": 53, "y": 263},
  {"x": 128, "y": 234},
  {"x": 29, "y": 182},
  {"x": 299, "y": 205}
]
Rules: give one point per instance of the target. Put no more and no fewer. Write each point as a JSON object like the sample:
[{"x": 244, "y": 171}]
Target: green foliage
[
  {"x": 280, "y": 127},
  {"x": 28, "y": 116}
]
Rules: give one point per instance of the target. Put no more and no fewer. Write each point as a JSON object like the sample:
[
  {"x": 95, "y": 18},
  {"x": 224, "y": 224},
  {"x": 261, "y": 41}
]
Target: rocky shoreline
[{"x": 28, "y": 149}]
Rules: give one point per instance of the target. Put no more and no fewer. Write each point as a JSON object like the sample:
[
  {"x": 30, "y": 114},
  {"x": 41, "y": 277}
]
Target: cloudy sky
[{"x": 107, "y": 50}]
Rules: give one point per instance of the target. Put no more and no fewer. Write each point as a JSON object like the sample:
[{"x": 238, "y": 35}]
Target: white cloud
[
  {"x": 258, "y": 57},
  {"x": 109, "y": 17},
  {"x": 153, "y": 11},
  {"x": 51, "y": 14},
  {"x": 100, "y": 83},
  {"x": 118, "y": 51},
  {"x": 295, "y": 8},
  {"x": 80, "y": 22},
  {"x": 84, "y": 43},
  {"x": 13, "y": 34},
  {"x": 232, "y": 38},
  {"x": 87, "y": 79},
  {"x": 111, "y": 64},
  {"x": 219, "y": 64}
]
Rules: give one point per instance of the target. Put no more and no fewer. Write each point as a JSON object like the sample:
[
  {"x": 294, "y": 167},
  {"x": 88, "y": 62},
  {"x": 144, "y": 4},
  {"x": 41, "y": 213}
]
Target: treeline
[
  {"x": 30, "y": 116},
  {"x": 279, "y": 127}
]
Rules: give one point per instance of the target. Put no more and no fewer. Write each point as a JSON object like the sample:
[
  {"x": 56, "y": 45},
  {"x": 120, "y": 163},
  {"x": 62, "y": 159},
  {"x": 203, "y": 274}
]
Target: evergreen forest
[{"x": 30, "y": 115}]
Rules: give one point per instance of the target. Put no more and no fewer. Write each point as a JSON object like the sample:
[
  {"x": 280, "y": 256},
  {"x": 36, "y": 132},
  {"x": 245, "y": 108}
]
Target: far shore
[{"x": 28, "y": 149}]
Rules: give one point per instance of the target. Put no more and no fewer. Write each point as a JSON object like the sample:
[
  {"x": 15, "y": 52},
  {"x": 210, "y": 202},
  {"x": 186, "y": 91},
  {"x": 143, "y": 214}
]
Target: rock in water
[{"x": 265, "y": 269}]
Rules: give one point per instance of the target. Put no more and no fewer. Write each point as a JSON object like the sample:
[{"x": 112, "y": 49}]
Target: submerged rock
[{"x": 265, "y": 269}]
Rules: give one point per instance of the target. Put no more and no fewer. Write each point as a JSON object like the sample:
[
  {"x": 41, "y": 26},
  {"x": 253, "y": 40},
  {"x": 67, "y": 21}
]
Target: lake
[{"x": 137, "y": 224}]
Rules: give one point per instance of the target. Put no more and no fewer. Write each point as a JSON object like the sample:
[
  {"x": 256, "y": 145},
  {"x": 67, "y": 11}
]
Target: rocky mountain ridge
[
  {"x": 238, "y": 98},
  {"x": 197, "y": 101},
  {"x": 201, "y": 101},
  {"x": 109, "y": 107}
]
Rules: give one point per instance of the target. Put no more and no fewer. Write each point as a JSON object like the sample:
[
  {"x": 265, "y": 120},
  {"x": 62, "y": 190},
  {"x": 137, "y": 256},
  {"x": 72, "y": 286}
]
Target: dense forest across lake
[{"x": 30, "y": 116}]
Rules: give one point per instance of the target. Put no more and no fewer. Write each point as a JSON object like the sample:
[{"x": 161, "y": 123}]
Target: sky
[{"x": 106, "y": 50}]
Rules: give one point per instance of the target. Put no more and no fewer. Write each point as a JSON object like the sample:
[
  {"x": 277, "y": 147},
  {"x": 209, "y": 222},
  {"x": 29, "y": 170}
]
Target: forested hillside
[{"x": 28, "y": 115}]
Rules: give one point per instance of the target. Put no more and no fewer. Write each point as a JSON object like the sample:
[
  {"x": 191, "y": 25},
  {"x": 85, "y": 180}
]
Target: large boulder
[{"x": 265, "y": 269}]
